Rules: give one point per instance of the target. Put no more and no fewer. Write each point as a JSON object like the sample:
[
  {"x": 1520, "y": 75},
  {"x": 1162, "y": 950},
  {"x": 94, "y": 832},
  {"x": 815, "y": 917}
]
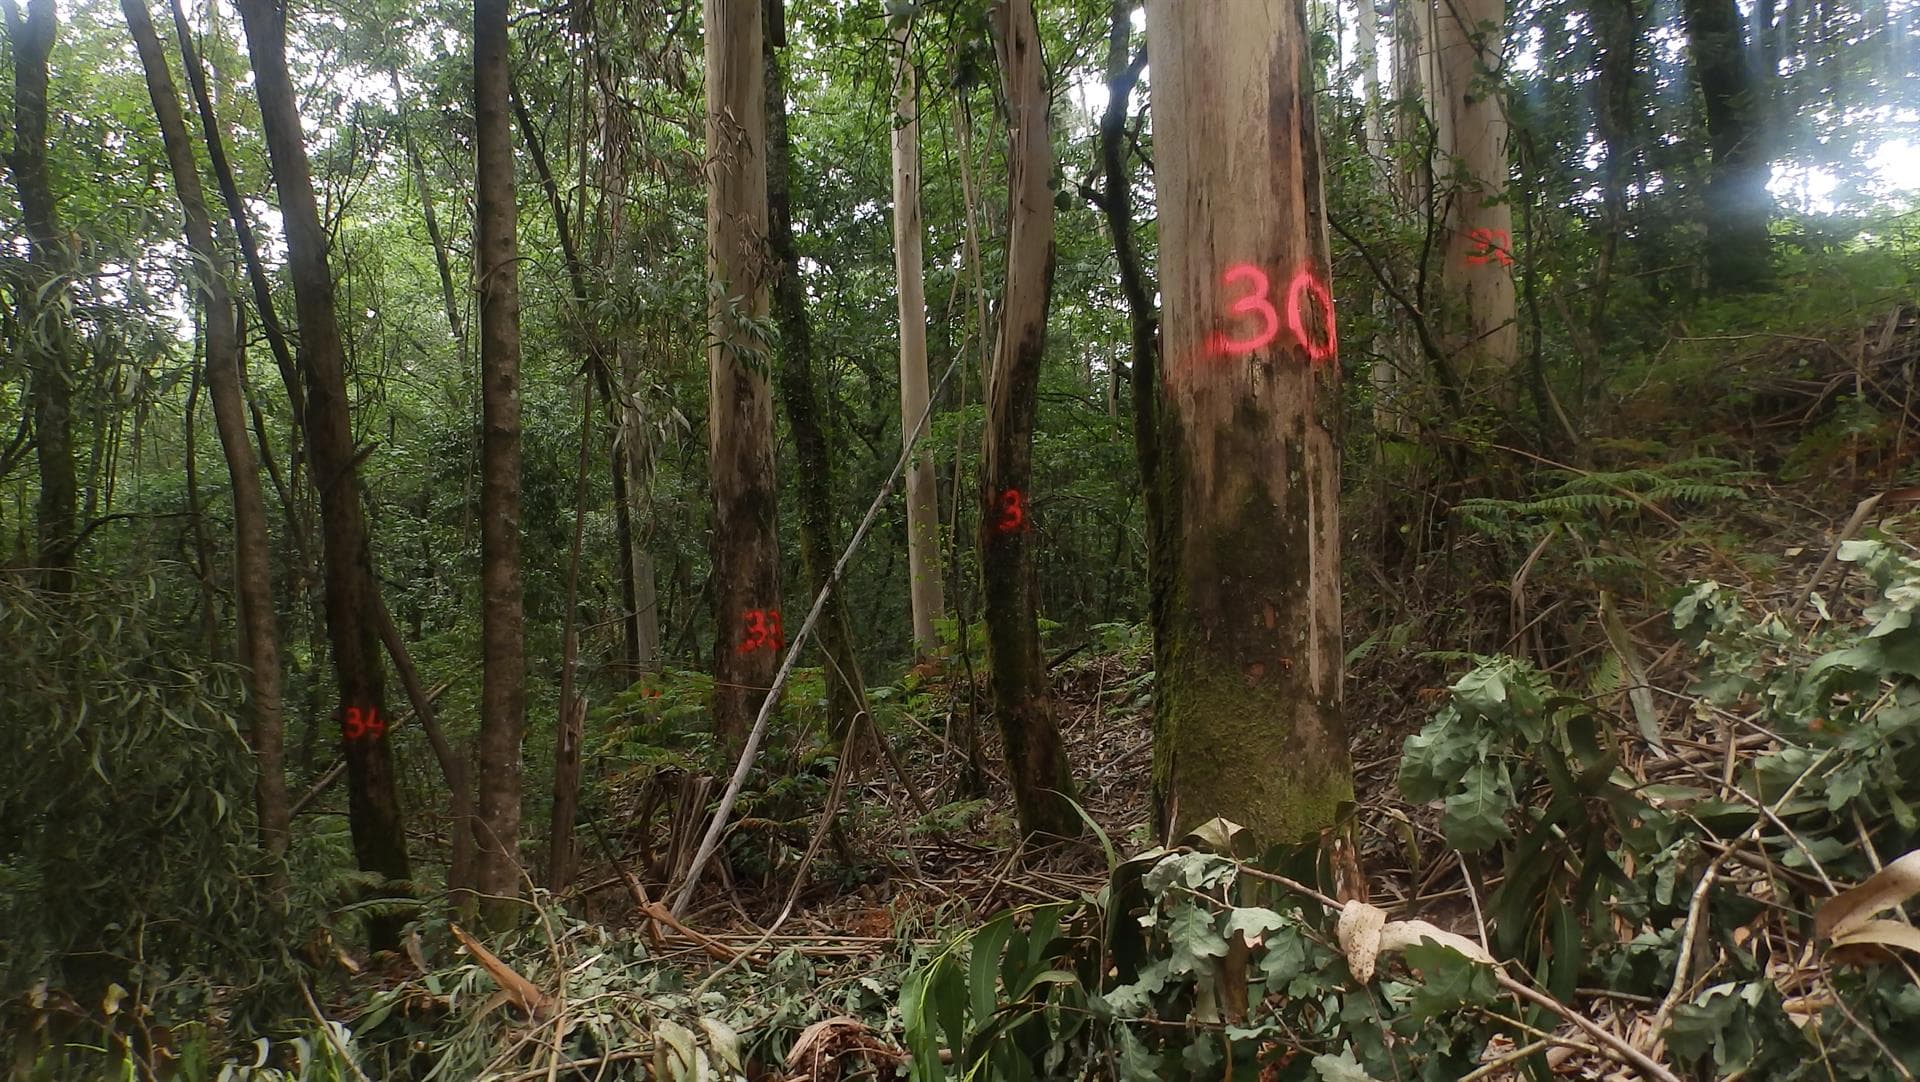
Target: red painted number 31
[{"x": 1253, "y": 305}]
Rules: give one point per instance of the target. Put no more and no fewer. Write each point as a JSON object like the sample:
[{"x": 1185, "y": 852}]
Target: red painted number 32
[
  {"x": 763, "y": 631},
  {"x": 362, "y": 724},
  {"x": 1254, "y": 305}
]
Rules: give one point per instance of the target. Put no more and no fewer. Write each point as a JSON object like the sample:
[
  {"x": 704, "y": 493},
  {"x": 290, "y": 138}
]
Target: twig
[
  {"x": 1620, "y": 1049},
  {"x": 332, "y": 1037},
  {"x": 1859, "y": 516}
]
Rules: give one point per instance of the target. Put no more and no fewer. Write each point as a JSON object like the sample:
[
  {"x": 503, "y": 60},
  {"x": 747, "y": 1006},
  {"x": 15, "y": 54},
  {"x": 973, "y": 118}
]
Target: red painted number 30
[
  {"x": 1255, "y": 306},
  {"x": 763, "y": 631},
  {"x": 362, "y": 724}
]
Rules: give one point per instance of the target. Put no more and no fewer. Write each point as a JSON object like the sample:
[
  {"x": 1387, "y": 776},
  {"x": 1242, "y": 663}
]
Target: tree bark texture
[
  {"x": 1616, "y": 30},
  {"x": 42, "y": 325},
  {"x": 746, "y": 554},
  {"x": 819, "y": 547},
  {"x": 1036, "y": 759},
  {"x": 503, "y": 696},
  {"x": 253, "y": 563},
  {"x": 923, "y": 510},
  {"x": 1248, "y": 708},
  {"x": 1737, "y": 204},
  {"x": 1460, "y": 64},
  {"x": 379, "y": 838}
]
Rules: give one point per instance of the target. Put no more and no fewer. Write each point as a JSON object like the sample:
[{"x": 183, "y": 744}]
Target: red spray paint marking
[
  {"x": 1255, "y": 304},
  {"x": 763, "y": 631},
  {"x": 1490, "y": 245},
  {"x": 362, "y": 724},
  {"x": 1013, "y": 512}
]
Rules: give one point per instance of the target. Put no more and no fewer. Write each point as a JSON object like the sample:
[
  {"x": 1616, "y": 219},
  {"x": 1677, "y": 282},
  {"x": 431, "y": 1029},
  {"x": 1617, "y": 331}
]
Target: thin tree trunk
[
  {"x": 1247, "y": 713},
  {"x": 819, "y": 548},
  {"x": 1023, "y": 704},
  {"x": 43, "y": 327},
  {"x": 379, "y": 837},
  {"x": 1461, "y": 67},
  {"x": 237, "y": 212},
  {"x": 746, "y": 555},
  {"x": 449, "y": 294},
  {"x": 253, "y": 563},
  {"x": 503, "y": 696},
  {"x": 570, "y": 727},
  {"x": 923, "y": 512},
  {"x": 1737, "y": 204},
  {"x": 1616, "y": 38}
]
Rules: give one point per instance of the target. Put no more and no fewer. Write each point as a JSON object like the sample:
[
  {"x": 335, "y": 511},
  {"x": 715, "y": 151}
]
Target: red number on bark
[
  {"x": 1305, "y": 283},
  {"x": 763, "y": 631},
  {"x": 1490, "y": 245},
  {"x": 1255, "y": 303},
  {"x": 362, "y": 723},
  {"x": 1013, "y": 513}
]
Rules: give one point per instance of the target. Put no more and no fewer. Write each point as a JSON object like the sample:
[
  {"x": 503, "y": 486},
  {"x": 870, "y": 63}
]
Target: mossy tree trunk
[
  {"x": 503, "y": 694},
  {"x": 746, "y": 555},
  {"x": 1036, "y": 758},
  {"x": 1247, "y": 644}
]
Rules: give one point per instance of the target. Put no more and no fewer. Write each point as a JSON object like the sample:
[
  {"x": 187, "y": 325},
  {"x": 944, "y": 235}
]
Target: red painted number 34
[{"x": 362, "y": 724}]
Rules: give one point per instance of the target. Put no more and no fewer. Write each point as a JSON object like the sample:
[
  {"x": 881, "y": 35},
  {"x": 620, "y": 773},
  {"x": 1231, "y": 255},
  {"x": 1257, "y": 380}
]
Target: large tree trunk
[
  {"x": 43, "y": 331},
  {"x": 379, "y": 837},
  {"x": 253, "y": 566},
  {"x": 923, "y": 510},
  {"x": 1036, "y": 758},
  {"x": 1247, "y": 715},
  {"x": 846, "y": 689},
  {"x": 1616, "y": 30},
  {"x": 1737, "y": 204},
  {"x": 1460, "y": 69},
  {"x": 746, "y": 555},
  {"x": 503, "y": 695}
]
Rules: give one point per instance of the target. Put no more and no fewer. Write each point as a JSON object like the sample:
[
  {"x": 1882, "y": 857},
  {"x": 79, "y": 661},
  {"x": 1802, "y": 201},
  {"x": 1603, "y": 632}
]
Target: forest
[{"x": 991, "y": 540}]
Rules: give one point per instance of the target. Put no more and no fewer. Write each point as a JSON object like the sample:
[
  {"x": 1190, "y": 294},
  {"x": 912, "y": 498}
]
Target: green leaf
[
  {"x": 1341, "y": 1068},
  {"x": 1475, "y": 816},
  {"x": 1193, "y": 940}
]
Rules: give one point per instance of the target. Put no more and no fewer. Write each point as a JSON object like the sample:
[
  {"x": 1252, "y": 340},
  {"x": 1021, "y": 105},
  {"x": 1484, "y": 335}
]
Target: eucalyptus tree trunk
[
  {"x": 503, "y": 695},
  {"x": 746, "y": 554},
  {"x": 1461, "y": 70},
  {"x": 1247, "y": 646},
  {"x": 253, "y": 563},
  {"x": 846, "y": 689},
  {"x": 923, "y": 510},
  {"x": 1036, "y": 759},
  {"x": 1737, "y": 204},
  {"x": 42, "y": 326},
  {"x": 379, "y": 836}
]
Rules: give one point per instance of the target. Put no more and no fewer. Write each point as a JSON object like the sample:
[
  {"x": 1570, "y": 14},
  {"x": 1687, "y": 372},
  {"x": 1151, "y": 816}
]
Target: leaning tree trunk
[
  {"x": 1737, "y": 204},
  {"x": 1247, "y": 713},
  {"x": 253, "y": 564},
  {"x": 746, "y": 555},
  {"x": 923, "y": 511},
  {"x": 503, "y": 695},
  {"x": 1460, "y": 70},
  {"x": 846, "y": 689},
  {"x": 379, "y": 836},
  {"x": 1036, "y": 758},
  {"x": 42, "y": 326}
]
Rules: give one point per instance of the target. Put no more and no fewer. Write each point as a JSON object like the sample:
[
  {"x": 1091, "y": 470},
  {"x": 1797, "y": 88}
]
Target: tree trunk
[
  {"x": 253, "y": 565},
  {"x": 379, "y": 837},
  {"x": 1616, "y": 29},
  {"x": 503, "y": 695},
  {"x": 923, "y": 511},
  {"x": 1737, "y": 204},
  {"x": 746, "y": 554},
  {"x": 1460, "y": 68},
  {"x": 43, "y": 331},
  {"x": 1247, "y": 713},
  {"x": 1036, "y": 759},
  {"x": 819, "y": 548}
]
